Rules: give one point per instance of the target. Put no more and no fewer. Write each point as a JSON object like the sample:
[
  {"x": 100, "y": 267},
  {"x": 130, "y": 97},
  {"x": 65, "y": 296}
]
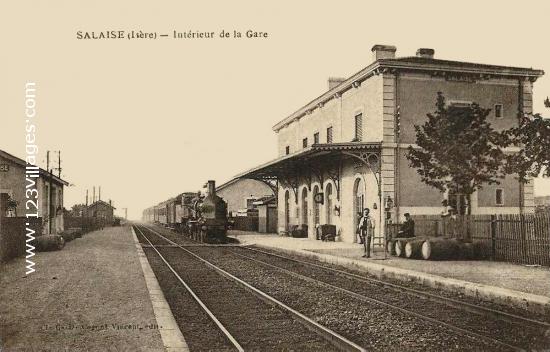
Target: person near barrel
[
  {"x": 366, "y": 230},
  {"x": 407, "y": 228}
]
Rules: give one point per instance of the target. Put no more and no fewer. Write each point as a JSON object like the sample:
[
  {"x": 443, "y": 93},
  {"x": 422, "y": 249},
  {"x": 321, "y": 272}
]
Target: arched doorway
[
  {"x": 316, "y": 207},
  {"x": 358, "y": 200},
  {"x": 304, "y": 206},
  {"x": 328, "y": 206},
  {"x": 287, "y": 210}
]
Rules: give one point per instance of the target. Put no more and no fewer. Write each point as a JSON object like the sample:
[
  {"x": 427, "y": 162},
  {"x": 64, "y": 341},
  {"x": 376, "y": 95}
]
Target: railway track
[
  {"x": 498, "y": 329},
  {"x": 503, "y": 329},
  {"x": 248, "y": 318},
  {"x": 439, "y": 299}
]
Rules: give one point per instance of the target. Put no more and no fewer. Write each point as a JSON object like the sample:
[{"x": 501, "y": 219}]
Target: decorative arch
[
  {"x": 304, "y": 206},
  {"x": 316, "y": 207},
  {"x": 359, "y": 195},
  {"x": 287, "y": 209},
  {"x": 329, "y": 195}
]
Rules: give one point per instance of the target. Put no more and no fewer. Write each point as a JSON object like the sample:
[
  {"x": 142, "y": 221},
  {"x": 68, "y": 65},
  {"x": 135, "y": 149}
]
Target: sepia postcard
[{"x": 274, "y": 176}]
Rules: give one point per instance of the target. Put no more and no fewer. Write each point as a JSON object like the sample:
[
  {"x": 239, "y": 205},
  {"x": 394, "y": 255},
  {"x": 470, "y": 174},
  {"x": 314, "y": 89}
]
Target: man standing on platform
[{"x": 366, "y": 231}]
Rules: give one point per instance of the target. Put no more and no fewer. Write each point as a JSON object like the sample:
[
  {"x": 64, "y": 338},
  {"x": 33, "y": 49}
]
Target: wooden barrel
[
  {"x": 466, "y": 251},
  {"x": 399, "y": 248},
  {"x": 400, "y": 245},
  {"x": 413, "y": 249},
  {"x": 482, "y": 249},
  {"x": 49, "y": 243},
  {"x": 390, "y": 246},
  {"x": 440, "y": 249},
  {"x": 67, "y": 236}
]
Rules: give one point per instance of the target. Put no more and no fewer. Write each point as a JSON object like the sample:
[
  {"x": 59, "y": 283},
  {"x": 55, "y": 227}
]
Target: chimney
[
  {"x": 383, "y": 52},
  {"x": 111, "y": 204},
  {"x": 334, "y": 81},
  {"x": 211, "y": 187},
  {"x": 425, "y": 52},
  {"x": 93, "y": 198},
  {"x": 99, "y": 197}
]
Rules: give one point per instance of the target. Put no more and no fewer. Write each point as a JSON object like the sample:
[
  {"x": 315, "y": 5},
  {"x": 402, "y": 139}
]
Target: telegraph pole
[
  {"x": 59, "y": 163},
  {"x": 49, "y": 192}
]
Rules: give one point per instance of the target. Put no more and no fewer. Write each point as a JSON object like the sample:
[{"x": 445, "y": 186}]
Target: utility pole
[
  {"x": 49, "y": 192},
  {"x": 59, "y": 163}
]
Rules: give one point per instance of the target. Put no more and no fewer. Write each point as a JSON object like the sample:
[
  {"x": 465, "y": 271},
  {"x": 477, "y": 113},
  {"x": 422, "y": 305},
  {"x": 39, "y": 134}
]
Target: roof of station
[
  {"x": 411, "y": 63},
  {"x": 23, "y": 164},
  {"x": 315, "y": 152}
]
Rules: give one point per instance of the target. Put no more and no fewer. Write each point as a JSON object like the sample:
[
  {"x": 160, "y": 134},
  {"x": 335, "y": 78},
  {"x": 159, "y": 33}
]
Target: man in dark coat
[
  {"x": 407, "y": 229},
  {"x": 366, "y": 231}
]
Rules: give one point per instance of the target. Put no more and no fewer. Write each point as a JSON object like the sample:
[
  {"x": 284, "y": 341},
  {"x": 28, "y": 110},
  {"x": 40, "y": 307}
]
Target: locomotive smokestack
[{"x": 212, "y": 187}]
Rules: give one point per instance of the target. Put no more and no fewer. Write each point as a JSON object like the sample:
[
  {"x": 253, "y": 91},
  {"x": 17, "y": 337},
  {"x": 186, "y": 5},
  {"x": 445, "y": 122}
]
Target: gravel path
[{"x": 78, "y": 297}]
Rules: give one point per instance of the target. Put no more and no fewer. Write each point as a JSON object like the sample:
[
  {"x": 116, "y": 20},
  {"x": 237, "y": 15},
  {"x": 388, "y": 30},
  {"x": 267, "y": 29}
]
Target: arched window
[
  {"x": 328, "y": 206},
  {"x": 316, "y": 207},
  {"x": 358, "y": 200},
  {"x": 304, "y": 206},
  {"x": 287, "y": 210}
]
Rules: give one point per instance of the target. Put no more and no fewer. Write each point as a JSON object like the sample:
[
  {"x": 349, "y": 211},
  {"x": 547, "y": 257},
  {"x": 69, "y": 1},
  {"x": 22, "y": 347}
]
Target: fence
[
  {"x": 87, "y": 224},
  {"x": 246, "y": 223},
  {"x": 12, "y": 235},
  {"x": 523, "y": 239}
]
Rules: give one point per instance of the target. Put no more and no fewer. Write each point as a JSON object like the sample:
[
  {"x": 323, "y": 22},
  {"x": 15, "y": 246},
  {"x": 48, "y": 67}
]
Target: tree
[
  {"x": 532, "y": 136},
  {"x": 459, "y": 151},
  {"x": 78, "y": 210}
]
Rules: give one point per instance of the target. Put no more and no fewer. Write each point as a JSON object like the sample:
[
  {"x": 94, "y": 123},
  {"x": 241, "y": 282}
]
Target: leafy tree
[
  {"x": 459, "y": 150},
  {"x": 532, "y": 136},
  {"x": 78, "y": 210}
]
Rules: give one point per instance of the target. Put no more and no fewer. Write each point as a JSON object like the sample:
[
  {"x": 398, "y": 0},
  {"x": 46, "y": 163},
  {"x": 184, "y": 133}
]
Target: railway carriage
[{"x": 204, "y": 218}]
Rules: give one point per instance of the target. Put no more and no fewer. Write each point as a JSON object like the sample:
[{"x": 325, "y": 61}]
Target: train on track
[{"x": 202, "y": 217}]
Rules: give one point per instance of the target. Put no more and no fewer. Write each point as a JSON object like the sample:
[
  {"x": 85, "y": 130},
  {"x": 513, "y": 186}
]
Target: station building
[
  {"x": 345, "y": 150},
  {"x": 101, "y": 210},
  {"x": 49, "y": 187},
  {"x": 241, "y": 194}
]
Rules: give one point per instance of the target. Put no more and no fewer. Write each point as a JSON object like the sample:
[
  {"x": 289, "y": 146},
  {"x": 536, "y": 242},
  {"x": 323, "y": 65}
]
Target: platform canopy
[{"x": 315, "y": 163}]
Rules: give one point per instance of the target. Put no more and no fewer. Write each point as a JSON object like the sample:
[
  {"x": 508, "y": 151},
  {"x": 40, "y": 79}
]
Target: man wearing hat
[
  {"x": 407, "y": 229},
  {"x": 366, "y": 231}
]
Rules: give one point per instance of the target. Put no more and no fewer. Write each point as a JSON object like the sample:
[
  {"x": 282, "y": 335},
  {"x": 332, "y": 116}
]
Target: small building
[
  {"x": 240, "y": 194},
  {"x": 101, "y": 210},
  {"x": 267, "y": 214},
  {"x": 16, "y": 175},
  {"x": 345, "y": 150}
]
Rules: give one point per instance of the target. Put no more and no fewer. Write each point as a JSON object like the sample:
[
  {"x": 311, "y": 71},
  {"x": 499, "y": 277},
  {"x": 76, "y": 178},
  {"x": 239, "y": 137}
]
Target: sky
[{"x": 148, "y": 119}]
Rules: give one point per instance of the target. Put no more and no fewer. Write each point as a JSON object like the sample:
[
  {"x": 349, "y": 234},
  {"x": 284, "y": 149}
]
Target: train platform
[
  {"x": 521, "y": 286},
  {"x": 90, "y": 296}
]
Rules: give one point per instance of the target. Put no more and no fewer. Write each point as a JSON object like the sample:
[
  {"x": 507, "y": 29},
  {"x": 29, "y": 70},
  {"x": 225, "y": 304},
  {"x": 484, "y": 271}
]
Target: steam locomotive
[
  {"x": 209, "y": 222},
  {"x": 203, "y": 218}
]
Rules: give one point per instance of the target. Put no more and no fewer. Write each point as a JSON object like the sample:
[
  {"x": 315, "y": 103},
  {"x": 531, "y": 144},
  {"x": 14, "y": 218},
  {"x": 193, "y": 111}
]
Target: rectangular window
[
  {"x": 358, "y": 127},
  {"x": 287, "y": 150},
  {"x": 329, "y": 135},
  {"x": 316, "y": 138},
  {"x": 498, "y": 111},
  {"x": 304, "y": 142},
  {"x": 499, "y": 196}
]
